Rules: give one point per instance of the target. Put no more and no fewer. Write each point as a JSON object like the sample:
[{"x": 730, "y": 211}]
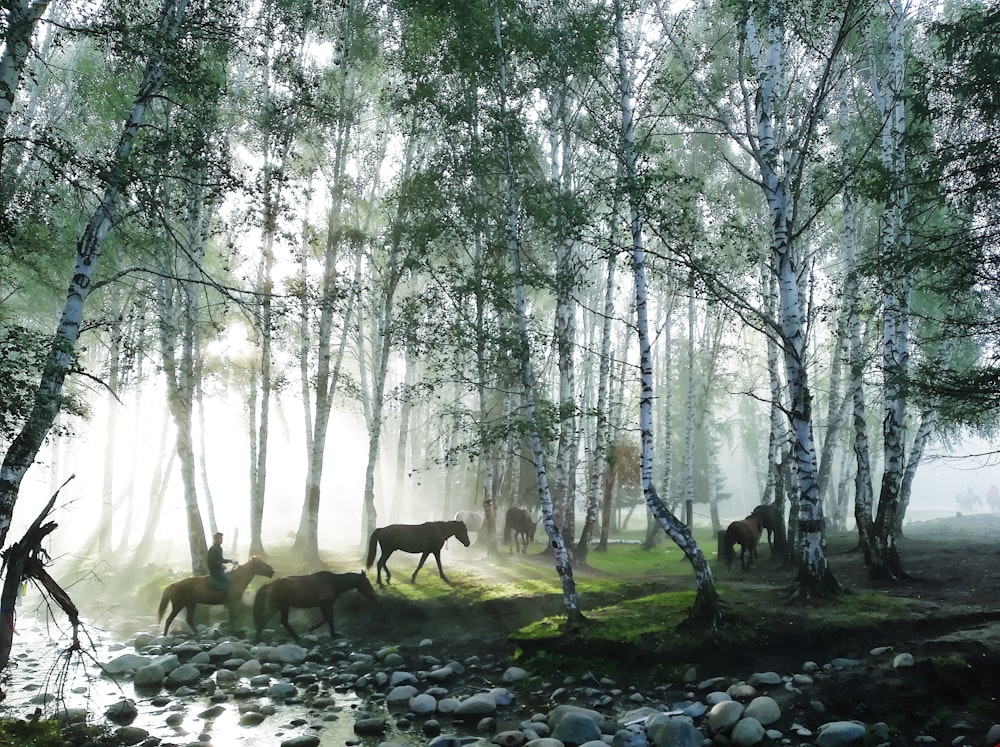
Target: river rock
[
  {"x": 632, "y": 738},
  {"x": 576, "y": 728},
  {"x": 252, "y": 718},
  {"x": 840, "y": 733},
  {"x": 129, "y": 735},
  {"x": 509, "y": 738},
  {"x": 900, "y": 661},
  {"x": 122, "y": 713},
  {"x": 282, "y": 691},
  {"x": 763, "y": 708},
  {"x": 401, "y": 694},
  {"x": 303, "y": 740},
  {"x": 672, "y": 731},
  {"x": 370, "y": 726},
  {"x": 480, "y": 704},
  {"x": 747, "y": 733},
  {"x": 401, "y": 677},
  {"x": 513, "y": 674},
  {"x": 185, "y": 674},
  {"x": 166, "y": 662},
  {"x": 422, "y": 704},
  {"x": 764, "y": 678},
  {"x": 249, "y": 668},
  {"x": 724, "y": 716},
  {"x": 126, "y": 664},
  {"x": 558, "y": 713},
  {"x": 149, "y": 676}
]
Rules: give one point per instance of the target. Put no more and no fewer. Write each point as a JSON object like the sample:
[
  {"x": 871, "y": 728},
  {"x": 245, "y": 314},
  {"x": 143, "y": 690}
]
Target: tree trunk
[{"x": 24, "y": 448}]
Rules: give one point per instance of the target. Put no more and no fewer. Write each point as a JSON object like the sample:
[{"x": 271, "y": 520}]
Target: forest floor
[{"x": 948, "y": 619}]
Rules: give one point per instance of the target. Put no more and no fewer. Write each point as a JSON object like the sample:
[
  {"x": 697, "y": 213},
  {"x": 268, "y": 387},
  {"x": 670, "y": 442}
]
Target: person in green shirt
[{"x": 216, "y": 564}]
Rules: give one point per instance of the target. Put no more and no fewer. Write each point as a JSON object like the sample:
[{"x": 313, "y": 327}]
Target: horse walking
[
  {"x": 517, "y": 524},
  {"x": 188, "y": 593},
  {"x": 745, "y": 532},
  {"x": 320, "y": 589},
  {"x": 427, "y": 538}
]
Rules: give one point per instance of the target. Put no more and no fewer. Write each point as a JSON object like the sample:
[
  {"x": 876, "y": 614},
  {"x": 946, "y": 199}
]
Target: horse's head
[
  {"x": 461, "y": 532},
  {"x": 260, "y": 567},
  {"x": 365, "y": 586},
  {"x": 531, "y": 531}
]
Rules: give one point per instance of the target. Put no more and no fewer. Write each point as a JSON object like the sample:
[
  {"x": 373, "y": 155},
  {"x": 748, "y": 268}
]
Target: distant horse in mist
[
  {"x": 517, "y": 528},
  {"x": 427, "y": 538},
  {"x": 188, "y": 593},
  {"x": 473, "y": 520},
  {"x": 770, "y": 519},
  {"x": 319, "y": 589},
  {"x": 745, "y": 533}
]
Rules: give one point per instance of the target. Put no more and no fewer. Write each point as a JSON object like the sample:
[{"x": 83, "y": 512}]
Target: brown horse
[
  {"x": 517, "y": 522},
  {"x": 746, "y": 533},
  {"x": 427, "y": 538},
  {"x": 319, "y": 589},
  {"x": 770, "y": 519},
  {"x": 188, "y": 593}
]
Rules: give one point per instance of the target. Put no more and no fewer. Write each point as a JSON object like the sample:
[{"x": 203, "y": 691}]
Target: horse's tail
[
  {"x": 260, "y": 607},
  {"x": 372, "y": 548},
  {"x": 164, "y": 600},
  {"x": 727, "y": 547}
]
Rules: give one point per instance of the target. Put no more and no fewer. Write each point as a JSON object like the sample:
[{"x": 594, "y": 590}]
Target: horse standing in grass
[
  {"x": 188, "y": 593},
  {"x": 746, "y": 533},
  {"x": 770, "y": 519},
  {"x": 320, "y": 589},
  {"x": 517, "y": 523},
  {"x": 427, "y": 538}
]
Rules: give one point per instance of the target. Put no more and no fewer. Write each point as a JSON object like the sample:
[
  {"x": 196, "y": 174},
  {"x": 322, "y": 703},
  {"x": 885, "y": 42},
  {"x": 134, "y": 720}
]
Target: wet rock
[
  {"x": 122, "y": 713},
  {"x": 149, "y": 676},
  {"x": 401, "y": 694},
  {"x": 252, "y": 718},
  {"x": 282, "y": 691},
  {"x": 840, "y": 734},
  {"x": 757, "y": 679},
  {"x": 513, "y": 674},
  {"x": 763, "y": 708},
  {"x": 185, "y": 674},
  {"x": 422, "y": 704},
  {"x": 576, "y": 728},
  {"x": 900, "y": 661},
  {"x": 370, "y": 726},
  {"x": 480, "y": 704},
  {"x": 129, "y": 735},
  {"x": 509, "y": 738},
  {"x": 126, "y": 664},
  {"x": 748, "y": 732},
  {"x": 724, "y": 716},
  {"x": 303, "y": 740},
  {"x": 672, "y": 731}
]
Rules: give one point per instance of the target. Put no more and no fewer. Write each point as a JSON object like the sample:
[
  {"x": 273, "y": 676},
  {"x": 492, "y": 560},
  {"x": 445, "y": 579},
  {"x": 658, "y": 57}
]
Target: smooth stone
[
  {"x": 370, "y": 726},
  {"x": 126, "y": 664},
  {"x": 422, "y": 704},
  {"x": 122, "y": 713},
  {"x": 724, "y": 716},
  {"x": 763, "y": 708},
  {"x": 509, "y": 738},
  {"x": 513, "y": 674},
  {"x": 575, "y": 728},
  {"x": 748, "y": 732},
  {"x": 252, "y": 718},
  {"x": 303, "y": 740},
  {"x": 148, "y": 676},
  {"x": 400, "y": 694},
  {"x": 840, "y": 733},
  {"x": 764, "y": 678},
  {"x": 480, "y": 704},
  {"x": 670, "y": 731},
  {"x": 185, "y": 674},
  {"x": 129, "y": 735},
  {"x": 900, "y": 661}
]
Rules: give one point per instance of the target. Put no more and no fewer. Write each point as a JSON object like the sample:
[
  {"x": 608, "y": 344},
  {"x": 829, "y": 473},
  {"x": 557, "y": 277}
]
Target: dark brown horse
[
  {"x": 319, "y": 589},
  {"x": 427, "y": 538},
  {"x": 770, "y": 519},
  {"x": 517, "y": 525},
  {"x": 745, "y": 533},
  {"x": 188, "y": 593}
]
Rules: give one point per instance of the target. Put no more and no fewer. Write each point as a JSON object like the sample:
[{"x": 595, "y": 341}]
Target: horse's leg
[
  {"x": 190, "y": 616},
  {"x": 437, "y": 557},
  {"x": 174, "y": 610},
  {"x": 327, "y": 609},
  {"x": 284, "y": 622},
  {"x": 420, "y": 565},
  {"x": 381, "y": 566}
]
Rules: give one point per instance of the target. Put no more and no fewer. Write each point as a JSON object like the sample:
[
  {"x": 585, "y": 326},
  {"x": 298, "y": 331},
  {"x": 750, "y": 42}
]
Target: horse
[
  {"x": 770, "y": 519},
  {"x": 320, "y": 589},
  {"x": 518, "y": 522},
  {"x": 473, "y": 520},
  {"x": 746, "y": 532},
  {"x": 427, "y": 538},
  {"x": 188, "y": 593}
]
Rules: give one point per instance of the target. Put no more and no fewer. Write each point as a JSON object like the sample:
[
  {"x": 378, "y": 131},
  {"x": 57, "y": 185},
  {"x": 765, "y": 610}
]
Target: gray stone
[
  {"x": 560, "y": 711},
  {"x": 576, "y": 728},
  {"x": 251, "y": 718},
  {"x": 249, "y": 668},
  {"x": 166, "y": 662},
  {"x": 149, "y": 676},
  {"x": 282, "y": 691},
  {"x": 502, "y": 696},
  {"x": 400, "y": 694},
  {"x": 400, "y": 677},
  {"x": 185, "y": 674},
  {"x": 763, "y": 708},
  {"x": 724, "y": 716},
  {"x": 840, "y": 733},
  {"x": 764, "y": 678},
  {"x": 509, "y": 738},
  {"x": 899, "y": 661},
  {"x": 480, "y": 704},
  {"x": 129, "y": 735},
  {"x": 748, "y": 732},
  {"x": 422, "y": 704},
  {"x": 513, "y": 674},
  {"x": 303, "y": 740},
  {"x": 669, "y": 731},
  {"x": 629, "y": 738},
  {"x": 122, "y": 713},
  {"x": 126, "y": 664},
  {"x": 370, "y": 726}
]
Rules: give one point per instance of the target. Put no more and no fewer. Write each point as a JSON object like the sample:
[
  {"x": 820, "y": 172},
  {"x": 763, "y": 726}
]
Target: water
[{"x": 42, "y": 676}]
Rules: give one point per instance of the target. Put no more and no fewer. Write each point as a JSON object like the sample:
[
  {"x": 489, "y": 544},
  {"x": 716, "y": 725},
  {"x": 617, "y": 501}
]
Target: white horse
[{"x": 474, "y": 520}]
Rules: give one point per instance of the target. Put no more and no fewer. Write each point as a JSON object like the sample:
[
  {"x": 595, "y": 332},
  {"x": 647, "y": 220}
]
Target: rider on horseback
[{"x": 216, "y": 563}]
